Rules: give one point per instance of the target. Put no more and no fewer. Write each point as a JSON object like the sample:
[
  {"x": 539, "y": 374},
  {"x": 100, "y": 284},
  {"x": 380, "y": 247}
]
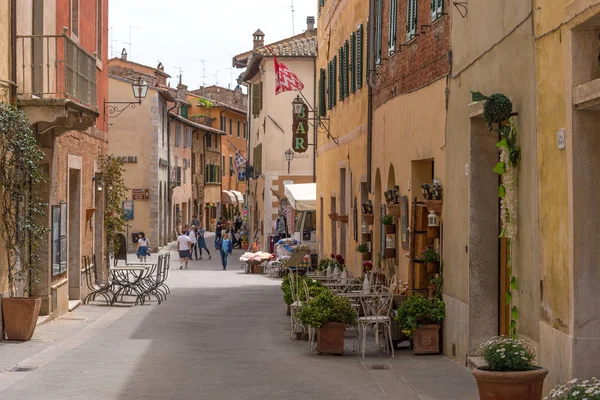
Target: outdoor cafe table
[{"x": 128, "y": 280}]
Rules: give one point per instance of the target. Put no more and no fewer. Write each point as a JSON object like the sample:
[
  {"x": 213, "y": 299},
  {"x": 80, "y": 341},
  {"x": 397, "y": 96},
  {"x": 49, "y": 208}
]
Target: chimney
[
  {"x": 310, "y": 23},
  {"x": 259, "y": 39},
  {"x": 124, "y": 55},
  {"x": 181, "y": 91}
]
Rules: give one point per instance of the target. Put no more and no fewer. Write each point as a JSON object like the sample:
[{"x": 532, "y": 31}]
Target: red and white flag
[
  {"x": 285, "y": 80},
  {"x": 240, "y": 160}
]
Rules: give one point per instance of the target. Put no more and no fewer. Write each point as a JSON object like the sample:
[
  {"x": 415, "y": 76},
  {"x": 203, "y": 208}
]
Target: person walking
[
  {"x": 201, "y": 244},
  {"x": 225, "y": 246},
  {"x": 218, "y": 229},
  {"x": 142, "y": 247},
  {"x": 195, "y": 221},
  {"x": 183, "y": 246},
  {"x": 194, "y": 240}
]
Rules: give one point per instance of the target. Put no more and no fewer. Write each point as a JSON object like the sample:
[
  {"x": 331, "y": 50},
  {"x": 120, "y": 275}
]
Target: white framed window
[
  {"x": 392, "y": 28},
  {"x": 411, "y": 20},
  {"x": 437, "y": 9}
]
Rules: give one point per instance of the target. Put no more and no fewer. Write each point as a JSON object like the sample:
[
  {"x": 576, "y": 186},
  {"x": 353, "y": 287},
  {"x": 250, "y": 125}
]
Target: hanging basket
[{"x": 333, "y": 216}]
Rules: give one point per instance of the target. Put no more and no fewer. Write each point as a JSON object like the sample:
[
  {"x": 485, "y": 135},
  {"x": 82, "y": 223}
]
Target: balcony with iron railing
[{"x": 56, "y": 82}]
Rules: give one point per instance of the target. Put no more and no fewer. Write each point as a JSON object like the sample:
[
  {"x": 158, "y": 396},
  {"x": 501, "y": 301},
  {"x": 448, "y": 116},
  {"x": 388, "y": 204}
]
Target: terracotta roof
[
  {"x": 195, "y": 124},
  {"x": 156, "y": 70},
  {"x": 301, "y": 45}
]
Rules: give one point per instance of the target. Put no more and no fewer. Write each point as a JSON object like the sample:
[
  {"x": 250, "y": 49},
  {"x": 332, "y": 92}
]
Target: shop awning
[
  {"x": 228, "y": 198},
  {"x": 239, "y": 196},
  {"x": 302, "y": 196}
]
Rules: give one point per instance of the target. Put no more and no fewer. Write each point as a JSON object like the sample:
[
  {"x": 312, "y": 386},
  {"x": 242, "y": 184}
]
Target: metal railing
[{"x": 55, "y": 67}]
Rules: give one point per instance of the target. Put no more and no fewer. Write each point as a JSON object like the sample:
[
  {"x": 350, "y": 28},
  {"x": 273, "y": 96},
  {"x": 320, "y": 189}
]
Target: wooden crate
[
  {"x": 421, "y": 276},
  {"x": 421, "y": 218}
]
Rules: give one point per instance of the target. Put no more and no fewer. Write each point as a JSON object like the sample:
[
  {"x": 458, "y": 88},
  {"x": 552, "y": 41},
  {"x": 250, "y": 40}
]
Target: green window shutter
[
  {"x": 359, "y": 57},
  {"x": 329, "y": 85},
  {"x": 321, "y": 92},
  {"x": 334, "y": 81},
  {"x": 341, "y": 72},
  {"x": 392, "y": 27},
  {"x": 352, "y": 62},
  {"x": 184, "y": 111},
  {"x": 378, "y": 29},
  {"x": 346, "y": 69}
]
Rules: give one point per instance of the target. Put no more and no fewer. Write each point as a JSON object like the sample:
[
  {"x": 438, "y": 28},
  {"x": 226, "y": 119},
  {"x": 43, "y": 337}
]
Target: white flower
[
  {"x": 498, "y": 351},
  {"x": 573, "y": 380},
  {"x": 575, "y": 393},
  {"x": 502, "y": 356}
]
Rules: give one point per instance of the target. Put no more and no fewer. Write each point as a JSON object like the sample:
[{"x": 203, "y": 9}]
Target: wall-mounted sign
[
  {"x": 300, "y": 130},
  {"x": 140, "y": 194},
  {"x": 128, "y": 159},
  {"x": 163, "y": 163},
  {"x": 128, "y": 209}
]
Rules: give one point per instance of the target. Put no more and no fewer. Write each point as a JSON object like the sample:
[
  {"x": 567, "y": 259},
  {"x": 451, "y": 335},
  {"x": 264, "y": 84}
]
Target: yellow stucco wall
[
  {"x": 5, "y": 53},
  {"x": 348, "y": 122},
  {"x": 406, "y": 130}
]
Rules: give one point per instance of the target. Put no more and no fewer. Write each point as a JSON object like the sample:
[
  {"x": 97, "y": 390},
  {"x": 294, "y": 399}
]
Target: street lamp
[
  {"x": 289, "y": 156},
  {"x": 297, "y": 105},
  {"x": 140, "y": 89}
]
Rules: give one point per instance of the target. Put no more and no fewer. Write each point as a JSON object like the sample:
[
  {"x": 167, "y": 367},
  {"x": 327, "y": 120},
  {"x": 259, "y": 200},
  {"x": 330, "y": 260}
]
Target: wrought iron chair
[
  {"x": 93, "y": 283},
  {"x": 377, "y": 316},
  {"x": 295, "y": 306}
]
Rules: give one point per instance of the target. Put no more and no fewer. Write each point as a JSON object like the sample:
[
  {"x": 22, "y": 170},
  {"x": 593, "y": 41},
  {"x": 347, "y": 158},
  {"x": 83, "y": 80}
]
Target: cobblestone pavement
[{"x": 220, "y": 335}]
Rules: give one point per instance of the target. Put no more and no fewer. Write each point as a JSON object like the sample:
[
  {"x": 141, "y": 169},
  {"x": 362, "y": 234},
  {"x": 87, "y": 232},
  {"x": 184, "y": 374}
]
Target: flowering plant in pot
[
  {"x": 330, "y": 314},
  {"x": 367, "y": 266},
  {"x": 510, "y": 373},
  {"x": 419, "y": 320},
  {"x": 576, "y": 389}
]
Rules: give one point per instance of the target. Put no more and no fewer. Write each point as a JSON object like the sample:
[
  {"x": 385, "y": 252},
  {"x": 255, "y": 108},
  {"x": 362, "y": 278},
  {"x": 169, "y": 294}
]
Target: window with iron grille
[
  {"x": 392, "y": 27},
  {"x": 411, "y": 20}
]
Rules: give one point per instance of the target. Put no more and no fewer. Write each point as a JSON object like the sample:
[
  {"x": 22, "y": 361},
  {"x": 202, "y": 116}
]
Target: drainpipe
[
  {"x": 248, "y": 136},
  {"x": 315, "y": 124},
  {"x": 169, "y": 194},
  {"x": 13, "y": 45},
  {"x": 370, "y": 83}
]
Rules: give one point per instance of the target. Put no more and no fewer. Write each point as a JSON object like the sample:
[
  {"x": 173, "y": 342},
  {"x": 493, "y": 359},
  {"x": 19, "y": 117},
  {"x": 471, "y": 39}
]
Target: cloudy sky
[{"x": 182, "y": 33}]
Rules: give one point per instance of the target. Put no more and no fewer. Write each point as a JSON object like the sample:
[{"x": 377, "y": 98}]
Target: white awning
[
  {"x": 302, "y": 196},
  {"x": 239, "y": 196},
  {"x": 228, "y": 198}
]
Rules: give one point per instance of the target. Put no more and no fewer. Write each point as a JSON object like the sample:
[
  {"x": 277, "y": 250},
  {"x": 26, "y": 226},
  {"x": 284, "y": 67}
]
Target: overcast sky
[{"x": 182, "y": 33}]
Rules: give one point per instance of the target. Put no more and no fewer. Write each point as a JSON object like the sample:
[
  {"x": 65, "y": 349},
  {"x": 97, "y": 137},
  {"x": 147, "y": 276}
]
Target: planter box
[
  {"x": 433, "y": 232},
  {"x": 389, "y": 253},
  {"x": 366, "y": 237},
  {"x": 390, "y": 229},
  {"x": 394, "y": 209},
  {"x": 342, "y": 218},
  {"x": 426, "y": 340},
  {"x": 435, "y": 206},
  {"x": 366, "y": 256},
  {"x": 20, "y": 317},
  {"x": 433, "y": 268},
  {"x": 421, "y": 218},
  {"x": 421, "y": 277},
  {"x": 523, "y": 385},
  {"x": 330, "y": 339},
  {"x": 368, "y": 218},
  {"x": 333, "y": 216}
]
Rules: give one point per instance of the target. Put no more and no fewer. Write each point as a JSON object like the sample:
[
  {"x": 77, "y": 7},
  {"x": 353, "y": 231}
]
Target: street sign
[
  {"x": 128, "y": 209},
  {"x": 140, "y": 194},
  {"x": 300, "y": 130}
]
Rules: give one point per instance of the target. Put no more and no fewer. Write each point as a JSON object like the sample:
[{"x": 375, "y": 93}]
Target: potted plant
[
  {"x": 367, "y": 266},
  {"x": 314, "y": 288},
  {"x": 576, "y": 389},
  {"x": 431, "y": 257},
  {"x": 330, "y": 314},
  {"x": 388, "y": 221},
  {"x": 21, "y": 216},
  {"x": 509, "y": 373},
  {"x": 419, "y": 320}
]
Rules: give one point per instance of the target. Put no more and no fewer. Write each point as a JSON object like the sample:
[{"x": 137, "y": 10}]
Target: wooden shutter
[
  {"x": 334, "y": 81},
  {"x": 255, "y": 102},
  {"x": 341, "y": 72},
  {"x": 378, "y": 28},
  {"x": 352, "y": 67},
  {"x": 322, "y": 105},
  {"x": 411, "y": 20},
  {"x": 359, "y": 57},
  {"x": 392, "y": 27},
  {"x": 329, "y": 90},
  {"x": 346, "y": 69}
]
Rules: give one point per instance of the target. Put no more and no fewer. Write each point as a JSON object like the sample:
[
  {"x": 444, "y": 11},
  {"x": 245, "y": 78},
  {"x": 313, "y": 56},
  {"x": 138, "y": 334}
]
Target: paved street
[{"x": 220, "y": 335}]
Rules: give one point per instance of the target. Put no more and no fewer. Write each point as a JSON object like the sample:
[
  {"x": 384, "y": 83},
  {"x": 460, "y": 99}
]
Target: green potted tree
[
  {"x": 419, "y": 319},
  {"x": 22, "y": 216},
  {"x": 330, "y": 314},
  {"x": 314, "y": 289},
  {"x": 509, "y": 373}
]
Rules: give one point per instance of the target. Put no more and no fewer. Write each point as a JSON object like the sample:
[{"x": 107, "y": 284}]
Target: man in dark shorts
[{"x": 183, "y": 246}]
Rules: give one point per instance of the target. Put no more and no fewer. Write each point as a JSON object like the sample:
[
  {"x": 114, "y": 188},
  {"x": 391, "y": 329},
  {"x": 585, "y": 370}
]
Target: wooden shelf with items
[
  {"x": 368, "y": 218},
  {"x": 394, "y": 209}
]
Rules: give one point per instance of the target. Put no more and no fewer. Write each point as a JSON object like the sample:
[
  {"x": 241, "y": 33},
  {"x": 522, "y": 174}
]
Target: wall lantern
[
  {"x": 114, "y": 108},
  {"x": 98, "y": 181},
  {"x": 289, "y": 156},
  {"x": 140, "y": 89},
  {"x": 297, "y": 105}
]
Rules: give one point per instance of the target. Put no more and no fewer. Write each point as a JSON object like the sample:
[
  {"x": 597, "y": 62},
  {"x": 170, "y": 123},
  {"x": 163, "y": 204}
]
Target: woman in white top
[
  {"x": 142, "y": 247},
  {"x": 192, "y": 236}
]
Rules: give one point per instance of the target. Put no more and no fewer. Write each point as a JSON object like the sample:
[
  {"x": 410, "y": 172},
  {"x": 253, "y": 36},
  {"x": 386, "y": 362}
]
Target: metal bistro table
[{"x": 128, "y": 280}]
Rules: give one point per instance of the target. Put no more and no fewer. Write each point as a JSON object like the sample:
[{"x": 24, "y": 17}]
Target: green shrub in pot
[
  {"x": 416, "y": 311},
  {"x": 327, "y": 307}
]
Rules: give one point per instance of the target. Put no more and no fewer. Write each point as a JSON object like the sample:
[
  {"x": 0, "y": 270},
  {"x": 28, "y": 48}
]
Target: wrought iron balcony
[{"x": 55, "y": 67}]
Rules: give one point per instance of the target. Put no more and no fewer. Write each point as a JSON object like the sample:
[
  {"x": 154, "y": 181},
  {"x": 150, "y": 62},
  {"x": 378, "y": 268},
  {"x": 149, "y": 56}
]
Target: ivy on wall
[{"x": 497, "y": 112}]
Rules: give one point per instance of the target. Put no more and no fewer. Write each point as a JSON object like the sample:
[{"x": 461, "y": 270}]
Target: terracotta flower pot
[
  {"x": 426, "y": 339},
  {"x": 522, "y": 385},
  {"x": 20, "y": 316},
  {"x": 330, "y": 339},
  {"x": 390, "y": 229}
]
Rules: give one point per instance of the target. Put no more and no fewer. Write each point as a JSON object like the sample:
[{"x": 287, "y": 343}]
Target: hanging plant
[{"x": 497, "y": 109}]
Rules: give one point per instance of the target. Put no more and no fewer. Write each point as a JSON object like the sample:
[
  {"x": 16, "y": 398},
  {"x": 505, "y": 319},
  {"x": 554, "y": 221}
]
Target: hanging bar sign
[{"x": 300, "y": 130}]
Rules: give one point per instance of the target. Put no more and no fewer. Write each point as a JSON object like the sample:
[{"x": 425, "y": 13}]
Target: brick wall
[{"x": 422, "y": 61}]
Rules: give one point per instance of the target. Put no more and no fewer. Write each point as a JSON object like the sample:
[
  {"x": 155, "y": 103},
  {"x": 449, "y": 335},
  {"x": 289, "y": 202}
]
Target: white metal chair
[{"x": 377, "y": 316}]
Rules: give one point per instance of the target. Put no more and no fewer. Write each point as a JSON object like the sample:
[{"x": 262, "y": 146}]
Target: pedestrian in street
[
  {"x": 192, "y": 235},
  {"x": 183, "y": 246},
  {"x": 195, "y": 221},
  {"x": 201, "y": 244},
  {"x": 226, "y": 248},
  {"x": 142, "y": 247},
  {"x": 218, "y": 229}
]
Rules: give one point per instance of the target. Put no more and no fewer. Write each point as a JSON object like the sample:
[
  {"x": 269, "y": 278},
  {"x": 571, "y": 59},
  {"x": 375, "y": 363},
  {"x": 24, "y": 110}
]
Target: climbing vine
[
  {"x": 116, "y": 192},
  {"x": 497, "y": 114},
  {"x": 22, "y": 213}
]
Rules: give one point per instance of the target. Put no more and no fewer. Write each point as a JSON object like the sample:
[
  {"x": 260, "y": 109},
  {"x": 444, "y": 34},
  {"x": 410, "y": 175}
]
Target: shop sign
[
  {"x": 300, "y": 130},
  {"x": 140, "y": 194},
  {"x": 128, "y": 159},
  {"x": 128, "y": 209}
]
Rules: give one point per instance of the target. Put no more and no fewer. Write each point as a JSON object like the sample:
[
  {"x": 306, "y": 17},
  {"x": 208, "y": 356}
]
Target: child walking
[
  {"x": 226, "y": 248},
  {"x": 142, "y": 247}
]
